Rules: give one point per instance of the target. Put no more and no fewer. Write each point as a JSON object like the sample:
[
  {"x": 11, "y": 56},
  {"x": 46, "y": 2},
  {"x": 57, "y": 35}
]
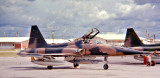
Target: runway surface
[{"x": 119, "y": 67}]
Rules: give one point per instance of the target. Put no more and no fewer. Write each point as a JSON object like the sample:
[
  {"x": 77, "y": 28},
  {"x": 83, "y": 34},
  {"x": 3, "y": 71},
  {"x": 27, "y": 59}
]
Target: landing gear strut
[
  {"x": 105, "y": 66},
  {"x": 148, "y": 59},
  {"x": 49, "y": 67}
]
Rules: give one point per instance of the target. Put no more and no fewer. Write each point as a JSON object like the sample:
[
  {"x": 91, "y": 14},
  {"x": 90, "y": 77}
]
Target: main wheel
[
  {"x": 49, "y": 67},
  {"x": 105, "y": 66},
  {"x": 75, "y": 65},
  {"x": 153, "y": 63}
]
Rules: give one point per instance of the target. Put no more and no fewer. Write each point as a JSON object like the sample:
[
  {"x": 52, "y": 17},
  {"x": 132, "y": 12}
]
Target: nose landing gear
[
  {"x": 105, "y": 66},
  {"x": 75, "y": 65}
]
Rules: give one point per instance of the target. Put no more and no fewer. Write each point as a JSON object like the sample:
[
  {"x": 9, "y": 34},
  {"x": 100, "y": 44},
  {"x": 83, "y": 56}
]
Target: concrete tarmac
[{"x": 119, "y": 67}]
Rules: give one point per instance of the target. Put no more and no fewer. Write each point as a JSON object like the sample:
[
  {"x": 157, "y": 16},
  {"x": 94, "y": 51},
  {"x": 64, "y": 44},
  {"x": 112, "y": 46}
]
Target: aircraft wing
[
  {"x": 55, "y": 54},
  {"x": 60, "y": 55}
]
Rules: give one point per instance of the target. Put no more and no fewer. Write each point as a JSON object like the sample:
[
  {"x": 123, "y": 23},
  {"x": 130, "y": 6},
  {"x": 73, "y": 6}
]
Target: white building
[
  {"x": 12, "y": 42},
  {"x": 22, "y": 42},
  {"x": 115, "y": 39}
]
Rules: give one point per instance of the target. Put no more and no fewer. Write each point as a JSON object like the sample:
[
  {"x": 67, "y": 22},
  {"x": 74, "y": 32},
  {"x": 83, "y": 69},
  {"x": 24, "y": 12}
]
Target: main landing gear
[
  {"x": 148, "y": 59},
  {"x": 105, "y": 66},
  {"x": 152, "y": 63},
  {"x": 49, "y": 67},
  {"x": 75, "y": 65}
]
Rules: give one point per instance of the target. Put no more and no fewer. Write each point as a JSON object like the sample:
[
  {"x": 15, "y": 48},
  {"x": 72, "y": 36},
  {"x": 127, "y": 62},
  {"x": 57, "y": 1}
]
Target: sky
[{"x": 73, "y": 18}]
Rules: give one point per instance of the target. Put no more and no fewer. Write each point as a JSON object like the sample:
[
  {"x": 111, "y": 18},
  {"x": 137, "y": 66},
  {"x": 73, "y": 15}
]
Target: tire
[
  {"x": 75, "y": 65},
  {"x": 105, "y": 66},
  {"x": 153, "y": 63},
  {"x": 49, "y": 67}
]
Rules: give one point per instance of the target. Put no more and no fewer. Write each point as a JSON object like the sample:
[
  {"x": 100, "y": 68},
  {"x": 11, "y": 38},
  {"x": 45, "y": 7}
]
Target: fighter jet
[
  {"x": 133, "y": 41},
  {"x": 77, "y": 52}
]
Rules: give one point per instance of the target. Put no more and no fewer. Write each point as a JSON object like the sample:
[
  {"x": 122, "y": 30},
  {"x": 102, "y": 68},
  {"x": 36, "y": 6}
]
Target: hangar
[
  {"x": 12, "y": 42},
  {"x": 118, "y": 39},
  {"x": 113, "y": 39}
]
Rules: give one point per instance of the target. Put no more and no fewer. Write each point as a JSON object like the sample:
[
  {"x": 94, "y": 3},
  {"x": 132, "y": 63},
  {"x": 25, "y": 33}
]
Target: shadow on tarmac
[
  {"x": 39, "y": 68},
  {"x": 130, "y": 63},
  {"x": 69, "y": 67},
  {"x": 127, "y": 63},
  {"x": 54, "y": 68},
  {"x": 57, "y": 68}
]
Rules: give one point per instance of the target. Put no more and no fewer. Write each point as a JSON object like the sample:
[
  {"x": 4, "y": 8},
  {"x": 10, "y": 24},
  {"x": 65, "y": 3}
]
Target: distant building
[
  {"x": 12, "y": 42},
  {"x": 115, "y": 39},
  {"x": 109, "y": 38},
  {"x": 22, "y": 42}
]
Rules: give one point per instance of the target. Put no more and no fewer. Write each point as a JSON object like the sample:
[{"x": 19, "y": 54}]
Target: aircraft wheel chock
[
  {"x": 105, "y": 66},
  {"x": 49, "y": 67},
  {"x": 153, "y": 63}
]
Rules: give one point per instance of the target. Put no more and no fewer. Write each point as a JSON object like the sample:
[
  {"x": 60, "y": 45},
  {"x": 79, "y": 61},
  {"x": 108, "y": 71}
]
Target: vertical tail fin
[
  {"x": 132, "y": 39},
  {"x": 36, "y": 39}
]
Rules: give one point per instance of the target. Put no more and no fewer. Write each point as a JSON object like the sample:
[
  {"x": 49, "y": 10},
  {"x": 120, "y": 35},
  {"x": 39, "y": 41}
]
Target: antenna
[
  {"x": 4, "y": 34},
  {"x": 17, "y": 34},
  {"x": 146, "y": 33},
  {"x": 154, "y": 38},
  {"x": 53, "y": 36},
  {"x": 52, "y": 32}
]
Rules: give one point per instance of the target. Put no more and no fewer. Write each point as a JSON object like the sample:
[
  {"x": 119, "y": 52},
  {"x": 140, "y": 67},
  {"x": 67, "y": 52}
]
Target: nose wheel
[{"x": 105, "y": 66}]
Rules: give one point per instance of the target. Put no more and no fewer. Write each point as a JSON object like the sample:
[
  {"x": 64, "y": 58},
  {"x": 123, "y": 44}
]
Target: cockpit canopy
[{"x": 91, "y": 34}]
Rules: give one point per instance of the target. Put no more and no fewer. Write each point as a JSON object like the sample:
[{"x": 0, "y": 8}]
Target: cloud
[
  {"x": 130, "y": 9},
  {"x": 31, "y": 0},
  {"x": 141, "y": 2},
  {"x": 75, "y": 17},
  {"x": 101, "y": 15},
  {"x": 123, "y": 8}
]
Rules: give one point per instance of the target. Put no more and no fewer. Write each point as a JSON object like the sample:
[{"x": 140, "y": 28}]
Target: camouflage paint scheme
[
  {"x": 76, "y": 51},
  {"x": 133, "y": 41}
]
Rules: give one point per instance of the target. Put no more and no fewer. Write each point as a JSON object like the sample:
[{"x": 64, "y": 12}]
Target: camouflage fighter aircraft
[
  {"x": 76, "y": 52},
  {"x": 133, "y": 41}
]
